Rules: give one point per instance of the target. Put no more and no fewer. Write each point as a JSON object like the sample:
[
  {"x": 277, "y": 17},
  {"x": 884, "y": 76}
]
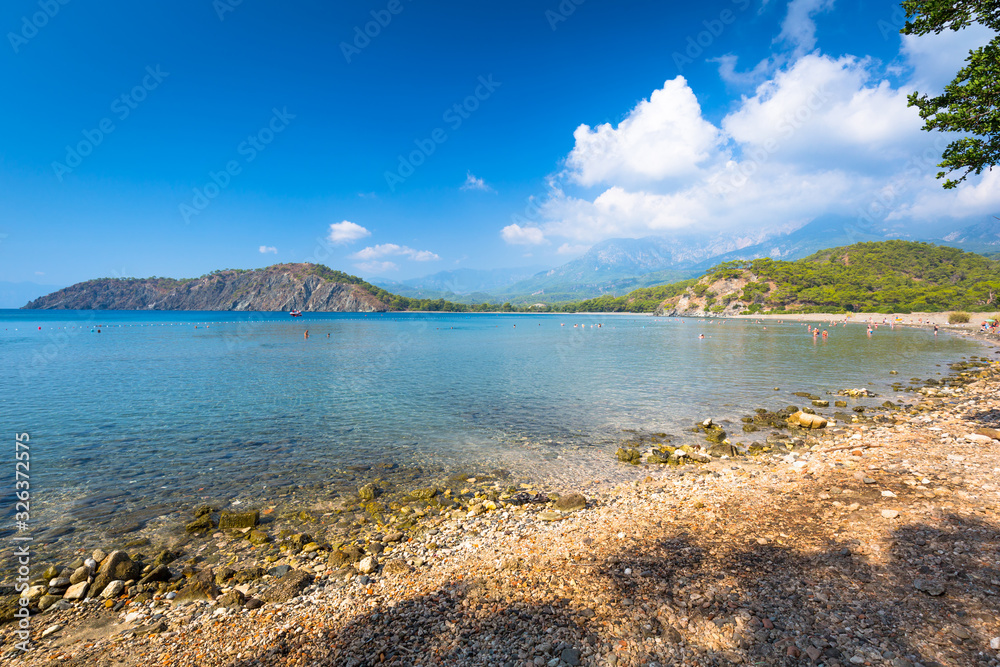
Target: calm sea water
[{"x": 162, "y": 408}]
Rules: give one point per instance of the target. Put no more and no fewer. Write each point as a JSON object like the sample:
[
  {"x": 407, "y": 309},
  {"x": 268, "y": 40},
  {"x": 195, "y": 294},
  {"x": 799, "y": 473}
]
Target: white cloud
[
  {"x": 517, "y": 235},
  {"x": 936, "y": 58},
  {"x": 820, "y": 135},
  {"x": 39, "y": 273},
  {"x": 393, "y": 250},
  {"x": 798, "y": 30},
  {"x": 377, "y": 267},
  {"x": 473, "y": 183},
  {"x": 571, "y": 249},
  {"x": 264, "y": 249},
  {"x": 662, "y": 137},
  {"x": 346, "y": 232}
]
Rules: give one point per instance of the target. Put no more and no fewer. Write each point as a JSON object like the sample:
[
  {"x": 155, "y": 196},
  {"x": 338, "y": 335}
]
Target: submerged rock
[
  {"x": 239, "y": 520},
  {"x": 630, "y": 455}
]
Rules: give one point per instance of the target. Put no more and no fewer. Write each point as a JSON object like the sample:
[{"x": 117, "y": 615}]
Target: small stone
[
  {"x": 90, "y": 564},
  {"x": 995, "y": 643},
  {"x": 888, "y": 494},
  {"x": 549, "y": 515},
  {"x": 367, "y": 565},
  {"x": 392, "y": 538},
  {"x": 961, "y": 632},
  {"x": 99, "y": 555},
  {"x": 50, "y": 630},
  {"x": 813, "y": 653},
  {"x": 867, "y": 480},
  {"x": 233, "y": 599},
  {"x": 890, "y": 514},
  {"x": 369, "y": 492},
  {"x": 81, "y": 573}
]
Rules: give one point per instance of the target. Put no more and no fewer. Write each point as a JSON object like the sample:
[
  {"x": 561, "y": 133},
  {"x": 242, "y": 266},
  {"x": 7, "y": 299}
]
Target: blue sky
[{"x": 176, "y": 138}]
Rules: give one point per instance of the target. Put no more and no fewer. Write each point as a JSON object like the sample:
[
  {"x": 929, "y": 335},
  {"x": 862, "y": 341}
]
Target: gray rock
[
  {"x": 90, "y": 564},
  {"x": 367, "y": 565},
  {"x": 200, "y": 587},
  {"x": 159, "y": 573},
  {"x": 672, "y": 635},
  {"x": 81, "y": 573},
  {"x": 47, "y": 601},
  {"x": 60, "y": 582},
  {"x": 253, "y": 603},
  {"x": 233, "y": 599},
  {"x": 77, "y": 591},
  {"x": 287, "y": 587},
  {"x": 570, "y": 656},
  {"x": 929, "y": 586},
  {"x": 279, "y": 570},
  {"x": 99, "y": 555},
  {"x": 117, "y": 565},
  {"x": 114, "y": 589}
]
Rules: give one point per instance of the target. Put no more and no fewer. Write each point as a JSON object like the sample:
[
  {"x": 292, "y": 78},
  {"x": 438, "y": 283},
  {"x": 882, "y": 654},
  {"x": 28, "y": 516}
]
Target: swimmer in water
[
  {"x": 701, "y": 336},
  {"x": 306, "y": 334}
]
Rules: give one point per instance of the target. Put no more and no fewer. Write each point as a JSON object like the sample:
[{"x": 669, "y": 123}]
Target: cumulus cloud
[
  {"x": 377, "y": 267},
  {"x": 798, "y": 30},
  {"x": 818, "y": 135},
  {"x": 264, "y": 249},
  {"x": 473, "y": 183},
  {"x": 391, "y": 250},
  {"x": 662, "y": 137},
  {"x": 515, "y": 234},
  {"x": 345, "y": 232}
]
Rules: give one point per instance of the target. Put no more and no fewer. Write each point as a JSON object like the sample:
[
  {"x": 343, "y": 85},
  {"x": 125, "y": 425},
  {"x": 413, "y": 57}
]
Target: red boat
[{"x": 296, "y": 313}]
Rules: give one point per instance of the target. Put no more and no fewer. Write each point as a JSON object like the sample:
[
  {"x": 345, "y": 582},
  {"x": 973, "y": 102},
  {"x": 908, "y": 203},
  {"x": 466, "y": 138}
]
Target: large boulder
[{"x": 117, "y": 566}]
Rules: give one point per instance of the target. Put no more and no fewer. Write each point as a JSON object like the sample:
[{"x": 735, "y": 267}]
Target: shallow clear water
[{"x": 160, "y": 408}]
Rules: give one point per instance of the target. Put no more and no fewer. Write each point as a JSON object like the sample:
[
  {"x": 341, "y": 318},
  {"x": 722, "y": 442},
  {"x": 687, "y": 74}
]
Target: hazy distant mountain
[
  {"x": 15, "y": 295},
  {"x": 459, "y": 281},
  {"x": 616, "y": 266},
  {"x": 983, "y": 237}
]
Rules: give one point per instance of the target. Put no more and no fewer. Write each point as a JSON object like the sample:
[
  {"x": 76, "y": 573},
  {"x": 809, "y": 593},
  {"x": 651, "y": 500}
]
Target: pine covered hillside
[{"x": 883, "y": 277}]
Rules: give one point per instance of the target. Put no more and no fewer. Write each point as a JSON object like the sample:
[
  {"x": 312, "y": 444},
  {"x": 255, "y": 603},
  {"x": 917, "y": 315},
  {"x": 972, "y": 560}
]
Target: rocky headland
[{"x": 282, "y": 287}]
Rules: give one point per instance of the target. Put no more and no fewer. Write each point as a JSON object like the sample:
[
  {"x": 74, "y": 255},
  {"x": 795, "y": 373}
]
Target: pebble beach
[{"x": 872, "y": 541}]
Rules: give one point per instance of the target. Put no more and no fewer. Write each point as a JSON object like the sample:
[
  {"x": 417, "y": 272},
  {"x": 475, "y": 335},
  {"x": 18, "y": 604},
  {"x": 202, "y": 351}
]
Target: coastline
[{"x": 679, "y": 565}]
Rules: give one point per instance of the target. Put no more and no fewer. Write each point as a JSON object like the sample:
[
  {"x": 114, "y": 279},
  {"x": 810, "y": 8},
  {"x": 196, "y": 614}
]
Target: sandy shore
[
  {"x": 875, "y": 543},
  {"x": 907, "y": 319}
]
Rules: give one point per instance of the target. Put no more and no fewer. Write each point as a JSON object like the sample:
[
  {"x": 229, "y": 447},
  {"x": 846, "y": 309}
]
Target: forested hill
[{"x": 884, "y": 277}]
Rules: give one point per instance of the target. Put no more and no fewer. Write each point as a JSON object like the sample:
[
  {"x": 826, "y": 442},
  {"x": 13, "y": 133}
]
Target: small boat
[{"x": 296, "y": 313}]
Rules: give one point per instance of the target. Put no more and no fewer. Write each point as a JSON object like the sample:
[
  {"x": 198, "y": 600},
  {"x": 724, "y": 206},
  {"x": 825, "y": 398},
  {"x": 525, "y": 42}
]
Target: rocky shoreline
[{"x": 871, "y": 540}]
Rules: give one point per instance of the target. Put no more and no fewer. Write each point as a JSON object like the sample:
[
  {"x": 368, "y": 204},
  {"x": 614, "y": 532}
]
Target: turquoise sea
[{"x": 162, "y": 409}]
